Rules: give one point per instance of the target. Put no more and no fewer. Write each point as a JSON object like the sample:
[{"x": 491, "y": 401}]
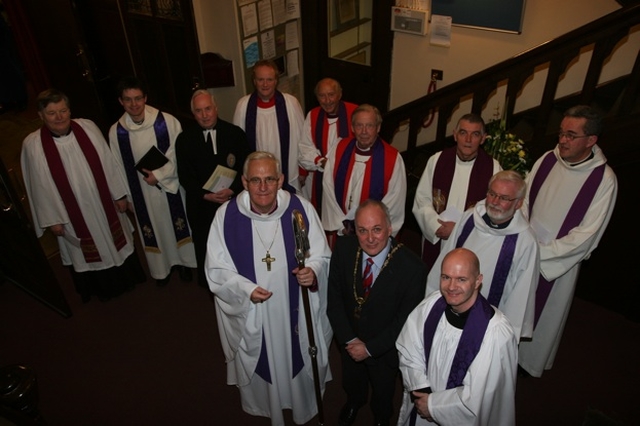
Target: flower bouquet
[{"x": 507, "y": 148}]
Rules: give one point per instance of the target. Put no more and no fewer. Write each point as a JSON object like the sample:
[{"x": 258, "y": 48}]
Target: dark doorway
[{"x": 364, "y": 67}]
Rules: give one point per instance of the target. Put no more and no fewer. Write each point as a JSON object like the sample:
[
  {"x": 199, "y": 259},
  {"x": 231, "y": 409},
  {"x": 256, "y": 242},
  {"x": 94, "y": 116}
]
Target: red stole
[
  {"x": 61, "y": 180},
  {"x": 375, "y": 185}
]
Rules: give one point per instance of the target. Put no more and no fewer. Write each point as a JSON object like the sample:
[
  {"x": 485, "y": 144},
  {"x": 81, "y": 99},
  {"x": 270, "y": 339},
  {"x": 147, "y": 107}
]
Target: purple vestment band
[
  {"x": 576, "y": 213},
  {"x": 176, "y": 207},
  {"x": 470, "y": 341},
  {"x": 284, "y": 131},
  {"x": 503, "y": 264},
  {"x": 238, "y": 236},
  {"x": 376, "y": 185}
]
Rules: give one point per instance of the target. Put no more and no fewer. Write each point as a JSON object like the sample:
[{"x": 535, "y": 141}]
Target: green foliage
[{"x": 510, "y": 151}]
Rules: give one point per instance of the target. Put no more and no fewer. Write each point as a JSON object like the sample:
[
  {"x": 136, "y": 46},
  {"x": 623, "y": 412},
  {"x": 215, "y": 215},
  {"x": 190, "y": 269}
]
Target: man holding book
[
  {"x": 143, "y": 143},
  {"x": 213, "y": 148}
]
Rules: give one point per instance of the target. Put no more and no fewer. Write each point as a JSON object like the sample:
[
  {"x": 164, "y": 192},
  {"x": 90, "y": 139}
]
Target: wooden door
[
  {"x": 351, "y": 41},
  {"x": 165, "y": 51},
  {"x": 22, "y": 260}
]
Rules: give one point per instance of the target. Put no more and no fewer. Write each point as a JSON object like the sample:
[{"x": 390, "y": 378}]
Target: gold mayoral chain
[
  {"x": 361, "y": 300},
  {"x": 268, "y": 259}
]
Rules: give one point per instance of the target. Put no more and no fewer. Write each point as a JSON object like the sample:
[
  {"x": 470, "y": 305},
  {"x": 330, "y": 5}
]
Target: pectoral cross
[{"x": 268, "y": 260}]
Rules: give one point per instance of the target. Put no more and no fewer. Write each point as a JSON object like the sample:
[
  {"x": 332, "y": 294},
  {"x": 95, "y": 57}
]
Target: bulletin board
[
  {"x": 495, "y": 15},
  {"x": 270, "y": 29}
]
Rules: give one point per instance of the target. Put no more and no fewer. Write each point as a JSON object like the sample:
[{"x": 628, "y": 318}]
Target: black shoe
[
  {"x": 347, "y": 415},
  {"x": 163, "y": 282},
  {"x": 185, "y": 273}
]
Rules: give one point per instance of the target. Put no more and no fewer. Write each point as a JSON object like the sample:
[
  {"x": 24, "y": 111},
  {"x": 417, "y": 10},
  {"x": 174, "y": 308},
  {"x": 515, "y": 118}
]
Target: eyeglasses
[
  {"x": 570, "y": 136},
  {"x": 502, "y": 198},
  {"x": 269, "y": 181}
]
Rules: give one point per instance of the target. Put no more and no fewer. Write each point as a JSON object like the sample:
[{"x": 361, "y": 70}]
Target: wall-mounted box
[{"x": 409, "y": 20}]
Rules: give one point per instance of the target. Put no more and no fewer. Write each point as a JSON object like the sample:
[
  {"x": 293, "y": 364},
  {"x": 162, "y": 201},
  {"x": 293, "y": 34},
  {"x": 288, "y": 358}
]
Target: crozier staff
[{"x": 253, "y": 272}]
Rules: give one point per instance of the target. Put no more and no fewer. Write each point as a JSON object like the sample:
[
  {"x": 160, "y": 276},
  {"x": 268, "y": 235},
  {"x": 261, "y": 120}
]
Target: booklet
[
  {"x": 153, "y": 159},
  {"x": 221, "y": 178}
]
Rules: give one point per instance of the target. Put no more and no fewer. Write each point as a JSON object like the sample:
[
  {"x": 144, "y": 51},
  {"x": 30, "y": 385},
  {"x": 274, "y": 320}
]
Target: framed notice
[{"x": 346, "y": 12}]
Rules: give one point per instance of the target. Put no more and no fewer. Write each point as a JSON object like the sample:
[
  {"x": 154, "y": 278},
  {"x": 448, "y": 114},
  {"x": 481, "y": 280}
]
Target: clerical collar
[
  {"x": 268, "y": 104},
  {"x": 466, "y": 161},
  {"x": 487, "y": 220},
  {"x": 55, "y": 135},
  {"x": 361, "y": 151},
  {"x": 275, "y": 207},
  {"x": 583, "y": 161},
  {"x": 456, "y": 319}
]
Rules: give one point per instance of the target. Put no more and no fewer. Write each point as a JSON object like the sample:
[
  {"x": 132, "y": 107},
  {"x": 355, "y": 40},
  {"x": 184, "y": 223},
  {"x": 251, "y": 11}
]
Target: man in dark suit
[
  {"x": 199, "y": 150},
  {"x": 374, "y": 283}
]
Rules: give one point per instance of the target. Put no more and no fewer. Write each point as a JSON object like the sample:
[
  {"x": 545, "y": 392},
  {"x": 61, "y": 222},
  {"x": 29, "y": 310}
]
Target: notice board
[{"x": 496, "y": 15}]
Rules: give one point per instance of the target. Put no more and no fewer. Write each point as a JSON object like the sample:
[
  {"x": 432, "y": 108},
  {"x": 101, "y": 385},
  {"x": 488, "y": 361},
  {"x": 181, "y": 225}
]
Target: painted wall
[{"x": 471, "y": 50}]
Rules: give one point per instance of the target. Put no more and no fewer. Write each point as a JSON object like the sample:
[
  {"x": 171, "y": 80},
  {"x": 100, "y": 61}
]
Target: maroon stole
[
  {"x": 61, "y": 180},
  {"x": 476, "y": 189},
  {"x": 319, "y": 134},
  {"x": 574, "y": 216}
]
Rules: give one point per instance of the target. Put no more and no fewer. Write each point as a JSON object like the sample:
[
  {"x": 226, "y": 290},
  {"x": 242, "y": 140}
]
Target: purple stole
[
  {"x": 377, "y": 174},
  {"x": 176, "y": 208},
  {"x": 238, "y": 237},
  {"x": 442, "y": 179},
  {"x": 503, "y": 264},
  {"x": 574, "y": 216},
  {"x": 283, "y": 130},
  {"x": 61, "y": 180},
  {"x": 470, "y": 341},
  {"x": 320, "y": 131}
]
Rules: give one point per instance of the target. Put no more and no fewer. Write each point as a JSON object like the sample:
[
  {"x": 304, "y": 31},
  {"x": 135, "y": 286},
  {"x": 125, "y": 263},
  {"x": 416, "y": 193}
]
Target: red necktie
[{"x": 367, "y": 277}]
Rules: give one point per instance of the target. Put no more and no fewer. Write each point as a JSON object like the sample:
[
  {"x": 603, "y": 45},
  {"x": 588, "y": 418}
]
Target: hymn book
[
  {"x": 152, "y": 160},
  {"x": 221, "y": 178}
]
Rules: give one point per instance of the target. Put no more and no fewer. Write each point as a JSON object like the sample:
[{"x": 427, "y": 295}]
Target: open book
[
  {"x": 152, "y": 160},
  {"x": 221, "y": 178}
]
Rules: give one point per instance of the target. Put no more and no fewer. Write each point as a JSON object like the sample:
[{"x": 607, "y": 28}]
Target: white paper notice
[
  {"x": 440, "y": 30},
  {"x": 250, "y": 46},
  {"x": 291, "y": 36},
  {"x": 264, "y": 12},
  {"x": 221, "y": 178},
  {"x": 268, "y": 42},
  {"x": 249, "y": 19},
  {"x": 293, "y": 9},
  {"x": 292, "y": 63},
  {"x": 279, "y": 12}
]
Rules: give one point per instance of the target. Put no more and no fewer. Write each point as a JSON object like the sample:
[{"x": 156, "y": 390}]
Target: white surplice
[
  {"x": 518, "y": 297},
  {"x": 142, "y": 138},
  {"x": 48, "y": 209},
  {"x": 487, "y": 394},
  {"x": 243, "y": 324},
  {"x": 267, "y": 135},
  {"x": 560, "y": 259}
]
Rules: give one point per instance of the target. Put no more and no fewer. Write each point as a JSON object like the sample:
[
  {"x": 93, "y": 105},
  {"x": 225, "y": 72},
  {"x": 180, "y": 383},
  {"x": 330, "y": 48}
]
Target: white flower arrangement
[{"x": 510, "y": 150}]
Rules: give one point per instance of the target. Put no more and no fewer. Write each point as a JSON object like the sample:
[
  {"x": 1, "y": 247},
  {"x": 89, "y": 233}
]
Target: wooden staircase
[{"x": 618, "y": 100}]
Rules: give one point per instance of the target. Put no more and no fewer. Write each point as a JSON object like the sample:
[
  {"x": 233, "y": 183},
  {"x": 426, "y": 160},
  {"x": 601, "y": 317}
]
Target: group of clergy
[{"x": 456, "y": 323}]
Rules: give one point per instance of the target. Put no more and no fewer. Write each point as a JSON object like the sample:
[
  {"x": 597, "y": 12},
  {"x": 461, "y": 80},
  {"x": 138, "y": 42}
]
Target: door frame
[{"x": 374, "y": 85}]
